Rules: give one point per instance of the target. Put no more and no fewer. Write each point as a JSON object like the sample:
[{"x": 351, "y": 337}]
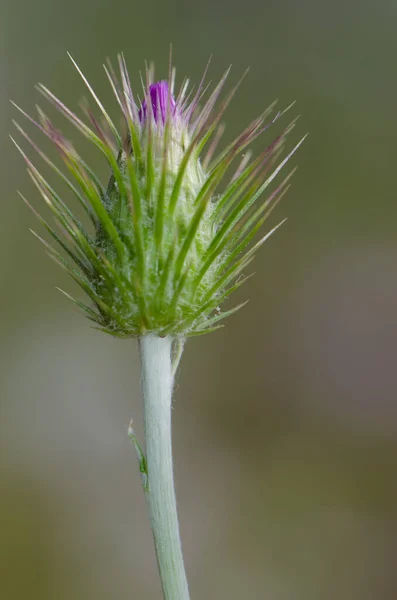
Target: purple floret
[{"x": 159, "y": 98}]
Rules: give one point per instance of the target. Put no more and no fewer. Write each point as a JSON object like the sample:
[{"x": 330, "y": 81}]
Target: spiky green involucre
[{"x": 171, "y": 232}]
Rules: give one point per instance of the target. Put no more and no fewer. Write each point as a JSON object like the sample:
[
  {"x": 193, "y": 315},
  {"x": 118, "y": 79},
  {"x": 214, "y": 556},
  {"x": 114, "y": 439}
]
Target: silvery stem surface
[{"x": 157, "y": 384}]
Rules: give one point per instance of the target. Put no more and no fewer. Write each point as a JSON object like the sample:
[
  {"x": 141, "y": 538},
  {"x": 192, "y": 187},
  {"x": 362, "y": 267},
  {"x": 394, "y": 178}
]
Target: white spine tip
[{"x": 131, "y": 428}]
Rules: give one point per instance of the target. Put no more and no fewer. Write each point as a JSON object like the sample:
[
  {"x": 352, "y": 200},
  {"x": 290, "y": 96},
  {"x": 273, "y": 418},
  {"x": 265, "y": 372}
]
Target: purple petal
[{"x": 159, "y": 93}]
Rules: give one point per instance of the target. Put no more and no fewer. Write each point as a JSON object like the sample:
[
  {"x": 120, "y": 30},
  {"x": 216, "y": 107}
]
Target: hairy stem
[{"x": 157, "y": 384}]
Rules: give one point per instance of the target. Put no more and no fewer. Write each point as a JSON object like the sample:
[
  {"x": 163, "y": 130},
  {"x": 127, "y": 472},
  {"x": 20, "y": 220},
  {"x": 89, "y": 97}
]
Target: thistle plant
[{"x": 159, "y": 247}]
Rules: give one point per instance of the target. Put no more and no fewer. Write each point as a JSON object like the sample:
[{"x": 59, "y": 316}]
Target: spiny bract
[{"x": 171, "y": 229}]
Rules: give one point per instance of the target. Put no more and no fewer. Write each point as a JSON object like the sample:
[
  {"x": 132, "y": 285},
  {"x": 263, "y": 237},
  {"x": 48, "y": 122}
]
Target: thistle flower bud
[
  {"x": 163, "y": 113},
  {"x": 171, "y": 232}
]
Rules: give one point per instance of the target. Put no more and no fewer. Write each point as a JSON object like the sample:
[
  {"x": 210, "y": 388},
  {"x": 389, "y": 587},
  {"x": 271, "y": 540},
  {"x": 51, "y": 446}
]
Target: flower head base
[{"x": 171, "y": 231}]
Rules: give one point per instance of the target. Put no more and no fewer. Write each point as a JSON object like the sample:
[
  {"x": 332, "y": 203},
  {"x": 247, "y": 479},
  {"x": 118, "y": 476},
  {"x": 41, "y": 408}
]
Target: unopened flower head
[{"x": 171, "y": 231}]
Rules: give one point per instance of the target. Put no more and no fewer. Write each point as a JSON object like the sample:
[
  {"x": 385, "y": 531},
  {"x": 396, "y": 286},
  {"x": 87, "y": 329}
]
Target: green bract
[{"x": 171, "y": 231}]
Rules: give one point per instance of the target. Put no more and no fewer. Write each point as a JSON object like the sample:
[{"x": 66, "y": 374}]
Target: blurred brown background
[{"x": 286, "y": 420}]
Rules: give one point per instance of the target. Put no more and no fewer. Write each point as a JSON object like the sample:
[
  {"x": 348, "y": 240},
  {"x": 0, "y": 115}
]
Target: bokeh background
[{"x": 286, "y": 420}]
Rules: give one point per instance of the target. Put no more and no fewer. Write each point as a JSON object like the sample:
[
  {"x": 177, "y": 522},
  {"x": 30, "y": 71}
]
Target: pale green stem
[{"x": 157, "y": 384}]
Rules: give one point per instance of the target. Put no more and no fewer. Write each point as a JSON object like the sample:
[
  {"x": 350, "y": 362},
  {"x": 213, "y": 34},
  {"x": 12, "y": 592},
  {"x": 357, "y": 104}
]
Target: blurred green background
[{"x": 285, "y": 421}]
